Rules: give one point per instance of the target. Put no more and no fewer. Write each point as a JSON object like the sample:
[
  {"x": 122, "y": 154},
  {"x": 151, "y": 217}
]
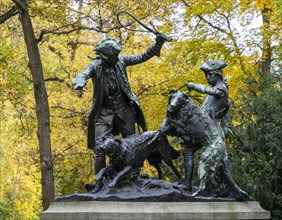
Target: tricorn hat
[
  {"x": 108, "y": 46},
  {"x": 213, "y": 65}
]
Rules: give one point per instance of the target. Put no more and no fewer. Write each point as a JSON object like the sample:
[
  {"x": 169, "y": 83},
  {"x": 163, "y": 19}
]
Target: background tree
[
  {"x": 42, "y": 107},
  {"x": 256, "y": 151}
]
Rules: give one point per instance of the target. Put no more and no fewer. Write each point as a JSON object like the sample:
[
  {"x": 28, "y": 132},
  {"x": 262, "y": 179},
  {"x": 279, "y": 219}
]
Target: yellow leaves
[
  {"x": 261, "y": 4},
  {"x": 201, "y": 7},
  {"x": 149, "y": 170},
  {"x": 4, "y": 31},
  {"x": 63, "y": 56},
  {"x": 5, "y": 6},
  {"x": 18, "y": 174}
]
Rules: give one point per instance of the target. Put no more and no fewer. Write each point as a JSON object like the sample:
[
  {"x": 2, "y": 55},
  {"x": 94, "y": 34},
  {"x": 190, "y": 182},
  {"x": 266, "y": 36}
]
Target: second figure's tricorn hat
[
  {"x": 213, "y": 65},
  {"x": 109, "y": 46}
]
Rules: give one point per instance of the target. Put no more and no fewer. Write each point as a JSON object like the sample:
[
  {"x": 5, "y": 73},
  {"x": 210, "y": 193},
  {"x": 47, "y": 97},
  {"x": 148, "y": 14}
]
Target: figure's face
[
  {"x": 212, "y": 78},
  {"x": 108, "y": 60}
]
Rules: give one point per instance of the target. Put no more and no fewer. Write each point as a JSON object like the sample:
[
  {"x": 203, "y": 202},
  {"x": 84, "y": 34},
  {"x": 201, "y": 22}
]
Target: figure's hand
[
  {"x": 160, "y": 38},
  {"x": 78, "y": 87},
  {"x": 227, "y": 131},
  {"x": 98, "y": 178},
  {"x": 190, "y": 86},
  {"x": 78, "y": 84},
  {"x": 197, "y": 87}
]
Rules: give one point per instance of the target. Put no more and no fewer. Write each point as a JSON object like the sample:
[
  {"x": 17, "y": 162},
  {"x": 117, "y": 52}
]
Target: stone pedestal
[{"x": 96, "y": 210}]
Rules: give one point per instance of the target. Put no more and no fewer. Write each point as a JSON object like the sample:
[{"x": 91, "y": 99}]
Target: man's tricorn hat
[
  {"x": 108, "y": 46},
  {"x": 213, "y": 65}
]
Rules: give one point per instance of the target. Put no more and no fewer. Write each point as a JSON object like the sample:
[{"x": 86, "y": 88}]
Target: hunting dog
[{"x": 127, "y": 155}]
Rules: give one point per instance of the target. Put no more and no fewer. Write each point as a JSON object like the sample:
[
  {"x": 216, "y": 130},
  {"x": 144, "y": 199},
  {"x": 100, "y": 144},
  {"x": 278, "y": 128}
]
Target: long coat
[{"x": 95, "y": 71}]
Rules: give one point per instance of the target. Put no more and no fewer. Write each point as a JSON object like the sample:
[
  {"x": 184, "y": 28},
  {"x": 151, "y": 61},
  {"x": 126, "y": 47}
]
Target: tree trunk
[{"x": 42, "y": 107}]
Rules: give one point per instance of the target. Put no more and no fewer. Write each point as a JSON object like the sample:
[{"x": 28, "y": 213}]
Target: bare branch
[
  {"x": 206, "y": 21},
  {"x": 76, "y": 26},
  {"x": 213, "y": 26},
  {"x": 54, "y": 79},
  {"x": 75, "y": 29},
  {"x": 147, "y": 88},
  {"x": 75, "y": 112},
  {"x": 227, "y": 21},
  {"x": 12, "y": 12},
  {"x": 72, "y": 43},
  {"x": 186, "y": 4},
  {"x": 20, "y": 5}
]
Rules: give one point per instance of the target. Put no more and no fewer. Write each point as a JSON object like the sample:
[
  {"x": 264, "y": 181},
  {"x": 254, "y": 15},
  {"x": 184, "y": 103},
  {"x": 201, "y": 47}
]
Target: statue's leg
[
  {"x": 210, "y": 162},
  {"x": 155, "y": 160},
  {"x": 99, "y": 161},
  {"x": 203, "y": 174},
  {"x": 98, "y": 179},
  {"x": 103, "y": 127},
  {"x": 208, "y": 165},
  {"x": 159, "y": 171},
  {"x": 167, "y": 159},
  {"x": 176, "y": 172},
  {"x": 121, "y": 174},
  {"x": 188, "y": 155},
  {"x": 124, "y": 121},
  {"x": 99, "y": 166}
]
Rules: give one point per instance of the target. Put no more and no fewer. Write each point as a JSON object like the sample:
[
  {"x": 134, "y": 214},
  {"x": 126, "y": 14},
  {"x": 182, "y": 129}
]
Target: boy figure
[
  {"x": 115, "y": 108},
  {"x": 216, "y": 103}
]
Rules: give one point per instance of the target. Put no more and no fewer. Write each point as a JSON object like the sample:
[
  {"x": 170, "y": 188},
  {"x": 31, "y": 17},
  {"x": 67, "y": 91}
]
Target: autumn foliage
[{"x": 246, "y": 34}]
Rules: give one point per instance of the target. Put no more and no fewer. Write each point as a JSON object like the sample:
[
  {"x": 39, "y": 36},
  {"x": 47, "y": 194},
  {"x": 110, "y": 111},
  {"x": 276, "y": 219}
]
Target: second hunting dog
[{"x": 196, "y": 129}]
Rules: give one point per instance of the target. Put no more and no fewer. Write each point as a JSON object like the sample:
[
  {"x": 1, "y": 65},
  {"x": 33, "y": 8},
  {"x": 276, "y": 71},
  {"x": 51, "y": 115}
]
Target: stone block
[{"x": 97, "y": 210}]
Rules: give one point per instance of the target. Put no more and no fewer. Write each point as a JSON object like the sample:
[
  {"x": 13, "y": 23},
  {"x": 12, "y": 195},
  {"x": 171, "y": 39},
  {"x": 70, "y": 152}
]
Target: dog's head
[
  {"x": 109, "y": 146},
  {"x": 176, "y": 100}
]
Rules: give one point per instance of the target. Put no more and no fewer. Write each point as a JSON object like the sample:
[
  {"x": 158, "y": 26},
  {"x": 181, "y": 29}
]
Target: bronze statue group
[{"x": 115, "y": 110}]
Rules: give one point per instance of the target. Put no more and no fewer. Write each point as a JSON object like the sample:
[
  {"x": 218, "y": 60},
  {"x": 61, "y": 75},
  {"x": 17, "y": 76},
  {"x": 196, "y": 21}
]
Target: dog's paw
[
  {"x": 185, "y": 187},
  {"x": 196, "y": 193},
  {"x": 97, "y": 179},
  {"x": 112, "y": 185}
]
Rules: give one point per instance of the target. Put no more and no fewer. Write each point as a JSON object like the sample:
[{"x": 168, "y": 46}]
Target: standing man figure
[{"x": 115, "y": 109}]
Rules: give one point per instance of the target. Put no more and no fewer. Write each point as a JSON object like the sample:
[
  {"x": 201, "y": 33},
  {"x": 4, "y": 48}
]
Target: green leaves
[{"x": 260, "y": 157}]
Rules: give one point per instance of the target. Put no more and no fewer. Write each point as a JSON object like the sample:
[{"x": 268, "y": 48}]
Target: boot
[
  {"x": 99, "y": 162},
  {"x": 188, "y": 155}
]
